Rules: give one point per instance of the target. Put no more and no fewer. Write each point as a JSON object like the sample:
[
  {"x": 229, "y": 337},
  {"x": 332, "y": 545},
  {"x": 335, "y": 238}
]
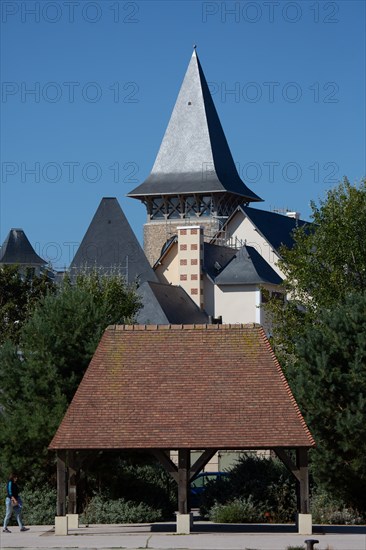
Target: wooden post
[
  {"x": 71, "y": 488},
  {"x": 303, "y": 481},
  {"x": 61, "y": 483},
  {"x": 184, "y": 464}
]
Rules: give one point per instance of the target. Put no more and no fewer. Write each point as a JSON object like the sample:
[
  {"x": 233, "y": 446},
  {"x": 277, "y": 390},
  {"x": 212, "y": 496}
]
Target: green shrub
[
  {"x": 131, "y": 477},
  {"x": 266, "y": 481},
  {"x": 218, "y": 491},
  {"x": 328, "y": 510},
  {"x": 39, "y": 506},
  {"x": 151, "y": 484},
  {"x": 243, "y": 510},
  {"x": 104, "y": 510}
]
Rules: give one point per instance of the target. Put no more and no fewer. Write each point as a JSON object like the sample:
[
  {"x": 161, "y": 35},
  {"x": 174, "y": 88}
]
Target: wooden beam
[
  {"x": 301, "y": 472},
  {"x": 201, "y": 462},
  {"x": 168, "y": 464},
  {"x": 184, "y": 462},
  {"x": 290, "y": 465},
  {"x": 61, "y": 483}
]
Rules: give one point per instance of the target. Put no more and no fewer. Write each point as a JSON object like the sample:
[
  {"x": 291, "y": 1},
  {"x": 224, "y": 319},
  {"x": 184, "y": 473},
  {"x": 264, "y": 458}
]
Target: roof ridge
[{"x": 194, "y": 326}]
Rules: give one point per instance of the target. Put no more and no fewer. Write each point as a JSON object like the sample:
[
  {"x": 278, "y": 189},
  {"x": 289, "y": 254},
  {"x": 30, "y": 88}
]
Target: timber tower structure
[{"x": 194, "y": 179}]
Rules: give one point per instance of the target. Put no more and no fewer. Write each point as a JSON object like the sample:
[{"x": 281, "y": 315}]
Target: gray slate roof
[
  {"x": 247, "y": 267},
  {"x": 277, "y": 229},
  {"x": 168, "y": 304},
  {"x": 17, "y": 249},
  {"x": 216, "y": 257},
  {"x": 110, "y": 245},
  {"x": 194, "y": 156}
]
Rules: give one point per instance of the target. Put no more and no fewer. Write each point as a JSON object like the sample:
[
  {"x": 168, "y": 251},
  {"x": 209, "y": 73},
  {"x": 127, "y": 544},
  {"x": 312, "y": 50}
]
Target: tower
[{"x": 194, "y": 179}]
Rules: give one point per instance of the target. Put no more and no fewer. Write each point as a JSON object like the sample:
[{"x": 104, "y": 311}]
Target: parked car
[{"x": 199, "y": 484}]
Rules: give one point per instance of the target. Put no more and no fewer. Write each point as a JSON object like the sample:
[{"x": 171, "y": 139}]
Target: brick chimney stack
[{"x": 190, "y": 256}]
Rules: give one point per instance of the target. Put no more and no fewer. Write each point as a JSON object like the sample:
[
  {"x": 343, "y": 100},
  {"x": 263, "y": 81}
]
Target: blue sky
[{"x": 88, "y": 88}]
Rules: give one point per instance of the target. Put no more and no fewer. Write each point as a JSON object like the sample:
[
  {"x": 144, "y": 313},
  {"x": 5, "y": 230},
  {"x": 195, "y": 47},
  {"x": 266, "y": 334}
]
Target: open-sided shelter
[{"x": 183, "y": 387}]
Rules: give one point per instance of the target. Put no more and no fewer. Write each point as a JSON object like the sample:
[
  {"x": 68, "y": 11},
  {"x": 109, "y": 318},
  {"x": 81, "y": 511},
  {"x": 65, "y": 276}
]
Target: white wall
[
  {"x": 242, "y": 228},
  {"x": 236, "y": 303}
]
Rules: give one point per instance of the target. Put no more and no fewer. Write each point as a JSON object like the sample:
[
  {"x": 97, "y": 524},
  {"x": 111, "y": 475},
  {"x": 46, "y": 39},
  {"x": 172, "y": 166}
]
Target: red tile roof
[{"x": 191, "y": 386}]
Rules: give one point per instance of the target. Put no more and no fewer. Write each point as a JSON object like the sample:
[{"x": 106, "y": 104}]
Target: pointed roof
[
  {"x": 110, "y": 245},
  {"x": 174, "y": 386},
  {"x": 247, "y": 267},
  {"x": 17, "y": 249},
  {"x": 194, "y": 156},
  {"x": 165, "y": 304}
]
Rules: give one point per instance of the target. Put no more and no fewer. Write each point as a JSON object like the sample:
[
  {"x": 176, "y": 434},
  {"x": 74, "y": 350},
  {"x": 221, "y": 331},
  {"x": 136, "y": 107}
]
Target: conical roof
[
  {"x": 110, "y": 245},
  {"x": 194, "y": 156},
  {"x": 17, "y": 249}
]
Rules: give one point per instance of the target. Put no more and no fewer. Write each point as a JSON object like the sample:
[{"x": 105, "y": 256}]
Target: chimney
[
  {"x": 190, "y": 260},
  {"x": 295, "y": 215}
]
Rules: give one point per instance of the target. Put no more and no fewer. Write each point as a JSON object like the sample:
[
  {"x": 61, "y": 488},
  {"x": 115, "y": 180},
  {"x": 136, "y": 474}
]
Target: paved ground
[{"x": 162, "y": 537}]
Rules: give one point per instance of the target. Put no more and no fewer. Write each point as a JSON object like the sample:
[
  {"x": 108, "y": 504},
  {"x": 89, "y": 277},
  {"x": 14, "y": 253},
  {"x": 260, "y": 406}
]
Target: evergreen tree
[
  {"x": 40, "y": 375},
  {"x": 329, "y": 381},
  {"x": 319, "y": 336},
  {"x": 19, "y": 294}
]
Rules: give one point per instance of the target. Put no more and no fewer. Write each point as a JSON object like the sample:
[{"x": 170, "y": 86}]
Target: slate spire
[
  {"x": 110, "y": 246},
  {"x": 194, "y": 156},
  {"x": 17, "y": 249}
]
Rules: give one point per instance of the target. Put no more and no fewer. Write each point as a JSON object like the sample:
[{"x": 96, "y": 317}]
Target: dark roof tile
[
  {"x": 247, "y": 267},
  {"x": 17, "y": 249},
  {"x": 167, "y": 304},
  {"x": 110, "y": 245},
  {"x": 277, "y": 229}
]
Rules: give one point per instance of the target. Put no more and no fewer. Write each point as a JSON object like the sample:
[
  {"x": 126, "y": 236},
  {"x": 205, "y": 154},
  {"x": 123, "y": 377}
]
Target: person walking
[{"x": 13, "y": 503}]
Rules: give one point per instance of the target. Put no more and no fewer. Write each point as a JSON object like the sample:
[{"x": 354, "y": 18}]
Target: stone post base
[
  {"x": 184, "y": 523},
  {"x": 304, "y": 524},
  {"x": 61, "y": 525},
  {"x": 73, "y": 521}
]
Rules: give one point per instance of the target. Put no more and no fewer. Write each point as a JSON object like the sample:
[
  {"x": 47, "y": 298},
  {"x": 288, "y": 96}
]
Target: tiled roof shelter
[{"x": 185, "y": 387}]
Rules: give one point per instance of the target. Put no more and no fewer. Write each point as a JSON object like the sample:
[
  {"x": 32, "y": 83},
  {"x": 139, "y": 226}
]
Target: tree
[
  {"x": 327, "y": 261},
  {"x": 319, "y": 336},
  {"x": 329, "y": 381},
  {"x": 19, "y": 294},
  {"x": 40, "y": 376}
]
